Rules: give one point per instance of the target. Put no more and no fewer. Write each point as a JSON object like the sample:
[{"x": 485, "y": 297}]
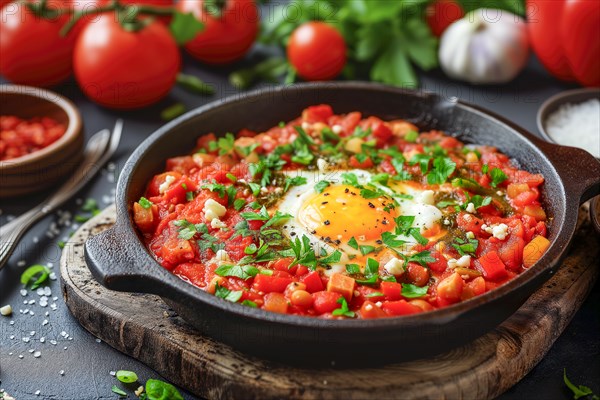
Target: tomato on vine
[
  {"x": 317, "y": 51},
  {"x": 127, "y": 69},
  {"x": 230, "y": 29},
  {"x": 440, "y": 14}
]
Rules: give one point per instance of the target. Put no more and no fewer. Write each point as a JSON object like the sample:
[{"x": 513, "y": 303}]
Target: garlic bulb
[{"x": 486, "y": 46}]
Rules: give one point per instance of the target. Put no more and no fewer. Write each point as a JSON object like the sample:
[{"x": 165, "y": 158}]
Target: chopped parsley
[
  {"x": 243, "y": 272},
  {"x": 321, "y": 186},
  {"x": 580, "y": 390},
  {"x": 249, "y": 303},
  {"x": 411, "y": 291},
  {"x": 443, "y": 167},
  {"x": 411, "y": 136},
  {"x": 353, "y": 243},
  {"x": 498, "y": 176},
  {"x": 343, "y": 310},
  {"x": 294, "y": 181},
  {"x": 145, "y": 203},
  {"x": 215, "y": 187},
  {"x": 466, "y": 247},
  {"x": 229, "y": 295},
  {"x": 353, "y": 269}
]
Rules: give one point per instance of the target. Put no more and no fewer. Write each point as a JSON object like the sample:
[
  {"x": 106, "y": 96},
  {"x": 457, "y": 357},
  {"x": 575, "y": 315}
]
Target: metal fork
[{"x": 98, "y": 151}]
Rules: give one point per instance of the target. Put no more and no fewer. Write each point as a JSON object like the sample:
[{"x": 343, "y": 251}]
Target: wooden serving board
[{"x": 143, "y": 327}]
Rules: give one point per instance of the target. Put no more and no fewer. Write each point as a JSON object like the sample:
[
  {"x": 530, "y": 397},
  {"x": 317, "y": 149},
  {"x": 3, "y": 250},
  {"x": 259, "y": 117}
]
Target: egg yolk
[{"x": 341, "y": 213}]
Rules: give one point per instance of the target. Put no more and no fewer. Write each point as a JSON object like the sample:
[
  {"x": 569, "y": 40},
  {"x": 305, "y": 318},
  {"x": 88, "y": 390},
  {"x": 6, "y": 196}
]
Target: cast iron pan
[{"x": 119, "y": 260}]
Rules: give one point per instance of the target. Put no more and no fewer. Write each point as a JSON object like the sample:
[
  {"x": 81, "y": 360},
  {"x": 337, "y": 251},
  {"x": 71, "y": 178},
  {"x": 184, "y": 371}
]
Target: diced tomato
[
  {"x": 541, "y": 228},
  {"x": 366, "y": 164},
  {"x": 417, "y": 274},
  {"x": 400, "y": 307},
  {"x": 468, "y": 222},
  {"x": 491, "y": 266},
  {"x": 370, "y": 311},
  {"x": 474, "y": 288},
  {"x": 175, "y": 251},
  {"x": 440, "y": 264},
  {"x": 203, "y": 142},
  {"x": 450, "y": 142},
  {"x": 268, "y": 284},
  {"x": 525, "y": 199},
  {"x": 313, "y": 282},
  {"x": 535, "y": 211},
  {"x": 325, "y": 302},
  {"x": 318, "y": 113},
  {"x": 275, "y": 302},
  {"x": 347, "y": 122},
  {"x": 379, "y": 130},
  {"x": 283, "y": 264},
  {"x": 145, "y": 218},
  {"x": 193, "y": 272},
  {"x": 391, "y": 290},
  {"x": 183, "y": 164},
  {"x": 176, "y": 193},
  {"x": 246, "y": 133},
  {"x": 511, "y": 252},
  {"x": 387, "y": 167},
  {"x": 301, "y": 270}
]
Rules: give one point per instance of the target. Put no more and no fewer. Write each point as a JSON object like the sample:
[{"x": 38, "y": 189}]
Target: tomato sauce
[
  {"x": 19, "y": 137},
  {"x": 447, "y": 221}
]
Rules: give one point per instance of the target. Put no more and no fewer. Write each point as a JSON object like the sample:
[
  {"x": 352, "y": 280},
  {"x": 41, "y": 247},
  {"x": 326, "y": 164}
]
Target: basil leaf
[
  {"x": 411, "y": 291},
  {"x": 126, "y": 376},
  {"x": 159, "y": 390}
]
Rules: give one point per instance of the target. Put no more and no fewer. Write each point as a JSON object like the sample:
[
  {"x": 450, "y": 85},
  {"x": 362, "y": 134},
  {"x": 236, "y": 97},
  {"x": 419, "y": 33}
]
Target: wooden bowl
[{"x": 50, "y": 165}]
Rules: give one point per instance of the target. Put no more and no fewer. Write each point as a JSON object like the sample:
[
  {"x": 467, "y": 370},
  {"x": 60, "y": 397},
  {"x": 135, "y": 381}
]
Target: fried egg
[{"x": 340, "y": 218}]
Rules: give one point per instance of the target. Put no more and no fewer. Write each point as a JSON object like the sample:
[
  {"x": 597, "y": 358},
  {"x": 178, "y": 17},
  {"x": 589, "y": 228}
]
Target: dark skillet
[{"x": 119, "y": 260}]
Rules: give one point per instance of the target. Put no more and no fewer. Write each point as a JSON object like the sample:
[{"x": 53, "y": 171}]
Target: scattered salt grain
[
  {"x": 42, "y": 339},
  {"x": 53, "y": 342},
  {"x": 21, "y": 263},
  {"x": 23, "y": 292},
  {"x": 37, "y": 354},
  {"x": 61, "y": 372},
  {"x": 45, "y": 322},
  {"x": 52, "y": 276},
  {"x": 21, "y": 356},
  {"x": 25, "y": 339},
  {"x": 577, "y": 125},
  {"x": 37, "y": 392},
  {"x": 112, "y": 373}
]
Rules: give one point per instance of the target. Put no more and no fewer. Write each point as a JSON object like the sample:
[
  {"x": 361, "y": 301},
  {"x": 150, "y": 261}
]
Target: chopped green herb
[
  {"x": 375, "y": 294},
  {"x": 293, "y": 181},
  {"x": 159, "y": 390},
  {"x": 578, "y": 391},
  {"x": 422, "y": 258},
  {"x": 238, "y": 204},
  {"x": 423, "y": 161},
  {"x": 443, "y": 167},
  {"x": 262, "y": 216},
  {"x": 466, "y": 247},
  {"x": 189, "y": 196},
  {"x": 173, "y": 111},
  {"x": 145, "y": 203},
  {"x": 366, "y": 249},
  {"x": 118, "y": 391},
  {"x": 498, "y": 176},
  {"x": 485, "y": 168},
  {"x": 215, "y": 187},
  {"x": 255, "y": 188},
  {"x": 303, "y": 252},
  {"x": 321, "y": 186},
  {"x": 411, "y": 291},
  {"x": 353, "y": 268},
  {"x": 249, "y": 303},
  {"x": 343, "y": 310},
  {"x": 242, "y": 272},
  {"x": 349, "y": 178},
  {"x": 353, "y": 243},
  {"x": 332, "y": 258},
  {"x": 61, "y": 244},
  {"x": 411, "y": 136},
  {"x": 229, "y": 295}
]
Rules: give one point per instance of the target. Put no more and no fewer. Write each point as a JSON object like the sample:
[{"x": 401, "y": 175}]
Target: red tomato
[
  {"x": 400, "y": 307},
  {"x": 126, "y": 69},
  {"x": 325, "y": 302},
  {"x": 317, "y": 51},
  {"x": 580, "y": 39},
  {"x": 224, "y": 39},
  {"x": 441, "y": 13},
  {"x": 33, "y": 52},
  {"x": 4, "y": 2},
  {"x": 543, "y": 18}
]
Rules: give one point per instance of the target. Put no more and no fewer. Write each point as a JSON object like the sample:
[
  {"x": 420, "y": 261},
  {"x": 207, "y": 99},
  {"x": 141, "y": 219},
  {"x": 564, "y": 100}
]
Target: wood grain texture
[{"x": 145, "y": 328}]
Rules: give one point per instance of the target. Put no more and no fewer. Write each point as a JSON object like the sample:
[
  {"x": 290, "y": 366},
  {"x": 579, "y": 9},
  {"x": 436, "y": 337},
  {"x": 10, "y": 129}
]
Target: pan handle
[
  {"x": 120, "y": 265},
  {"x": 579, "y": 170}
]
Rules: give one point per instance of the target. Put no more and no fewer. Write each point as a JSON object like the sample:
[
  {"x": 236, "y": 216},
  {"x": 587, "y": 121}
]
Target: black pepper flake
[
  {"x": 371, "y": 205},
  {"x": 384, "y": 222},
  {"x": 325, "y": 202},
  {"x": 313, "y": 232},
  {"x": 326, "y": 222},
  {"x": 338, "y": 241},
  {"x": 293, "y": 233},
  {"x": 325, "y": 194},
  {"x": 379, "y": 242},
  {"x": 346, "y": 190}
]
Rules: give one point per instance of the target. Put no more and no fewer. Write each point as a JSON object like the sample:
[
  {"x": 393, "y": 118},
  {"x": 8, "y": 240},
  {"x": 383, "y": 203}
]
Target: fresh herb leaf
[
  {"x": 466, "y": 247},
  {"x": 423, "y": 161},
  {"x": 262, "y": 216},
  {"x": 411, "y": 136},
  {"x": 390, "y": 240},
  {"x": 238, "y": 204},
  {"x": 353, "y": 269},
  {"x": 172, "y": 112},
  {"x": 411, "y": 291},
  {"x": 90, "y": 205},
  {"x": 145, "y": 203},
  {"x": 366, "y": 249},
  {"x": 343, "y": 310},
  {"x": 375, "y": 294},
  {"x": 118, "y": 391},
  {"x": 353, "y": 243},
  {"x": 578, "y": 391},
  {"x": 331, "y": 258},
  {"x": 215, "y": 187},
  {"x": 249, "y": 303},
  {"x": 321, "y": 186},
  {"x": 422, "y": 258},
  {"x": 349, "y": 178},
  {"x": 159, "y": 390},
  {"x": 242, "y": 272},
  {"x": 229, "y": 295},
  {"x": 443, "y": 167},
  {"x": 293, "y": 181},
  {"x": 194, "y": 84},
  {"x": 498, "y": 176}
]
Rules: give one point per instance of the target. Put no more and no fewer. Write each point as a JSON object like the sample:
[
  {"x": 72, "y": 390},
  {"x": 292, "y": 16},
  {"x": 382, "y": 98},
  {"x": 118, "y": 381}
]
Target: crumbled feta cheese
[
  {"x": 394, "y": 266},
  {"x": 322, "y": 165},
  {"x": 337, "y": 129},
  {"x": 213, "y": 210},
  {"x": 306, "y": 125},
  {"x": 217, "y": 223},
  {"x": 470, "y": 208},
  {"x": 499, "y": 193},
  {"x": 446, "y": 222},
  {"x": 165, "y": 185},
  {"x": 368, "y": 307},
  {"x": 470, "y": 235},
  {"x": 452, "y": 263},
  {"x": 6, "y": 310},
  {"x": 139, "y": 391},
  {"x": 427, "y": 197},
  {"x": 222, "y": 257},
  {"x": 500, "y": 231},
  {"x": 464, "y": 262}
]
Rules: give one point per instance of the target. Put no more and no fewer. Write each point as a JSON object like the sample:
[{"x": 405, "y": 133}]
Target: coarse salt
[{"x": 577, "y": 125}]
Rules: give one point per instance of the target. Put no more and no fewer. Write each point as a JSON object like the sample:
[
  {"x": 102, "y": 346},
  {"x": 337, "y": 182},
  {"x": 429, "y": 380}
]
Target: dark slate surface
[{"x": 87, "y": 363}]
